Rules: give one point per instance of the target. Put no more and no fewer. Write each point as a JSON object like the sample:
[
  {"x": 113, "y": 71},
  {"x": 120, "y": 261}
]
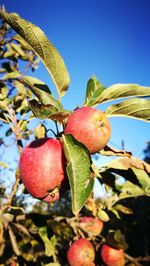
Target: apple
[
  {"x": 112, "y": 256},
  {"x": 81, "y": 253},
  {"x": 42, "y": 169},
  {"x": 91, "y": 225},
  {"x": 89, "y": 126}
]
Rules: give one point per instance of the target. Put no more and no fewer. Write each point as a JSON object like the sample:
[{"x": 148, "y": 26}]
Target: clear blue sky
[{"x": 106, "y": 38}]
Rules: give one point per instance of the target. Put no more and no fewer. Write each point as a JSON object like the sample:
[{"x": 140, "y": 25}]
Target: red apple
[
  {"x": 89, "y": 126},
  {"x": 112, "y": 256},
  {"x": 42, "y": 169},
  {"x": 91, "y": 225},
  {"x": 81, "y": 253}
]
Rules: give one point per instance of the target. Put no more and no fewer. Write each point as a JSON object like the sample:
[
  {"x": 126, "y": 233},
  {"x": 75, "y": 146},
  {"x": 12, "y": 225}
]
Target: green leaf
[
  {"x": 130, "y": 189},
  {"x": 119, "y": 91},
  {"x": 41, "y": 91},
  {"x": 47, "y": 111},
  {"x": 134, "y": 108},
  {"x": 49, "y": 244},
  {"x": 93, "y": 91},
  {"x": 143, "y": 178},
  {"x": 38, "y": 41},
  {"x": 79, "y": 171}
]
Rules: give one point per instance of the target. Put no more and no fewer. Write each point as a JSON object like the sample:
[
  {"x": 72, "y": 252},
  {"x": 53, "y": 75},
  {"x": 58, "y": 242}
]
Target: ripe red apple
[
  {"x": 89, "y": 126},
  {"x": 91, "y": 225},
  {"x": 42, "y": 169},
  {"x": 112, "y": 256},
  {"x": 81, "y": 253}
]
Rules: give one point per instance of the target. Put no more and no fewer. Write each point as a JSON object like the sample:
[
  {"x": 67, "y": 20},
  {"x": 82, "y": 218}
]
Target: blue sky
[{"x": 106, "y": 38}]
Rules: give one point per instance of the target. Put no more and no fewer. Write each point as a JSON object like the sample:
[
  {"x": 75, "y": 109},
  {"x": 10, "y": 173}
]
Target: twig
[{"x": 137, "y": 259}]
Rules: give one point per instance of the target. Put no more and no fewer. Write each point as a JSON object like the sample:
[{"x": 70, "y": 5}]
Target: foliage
[{"x": 42, "y": 235}]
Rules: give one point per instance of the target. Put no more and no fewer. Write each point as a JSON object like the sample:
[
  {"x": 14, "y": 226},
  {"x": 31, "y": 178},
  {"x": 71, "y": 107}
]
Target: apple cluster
[
  {"x": 42, "y": 163},
  {"x": 82, "y": 252}
]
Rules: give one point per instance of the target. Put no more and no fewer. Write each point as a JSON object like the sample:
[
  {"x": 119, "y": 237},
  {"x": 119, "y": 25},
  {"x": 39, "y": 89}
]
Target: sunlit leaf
[
  {"x": 134, "y": 108},
  {"x": 127, "y": 163},
  {"x": 11, "y": 75},
  {"x": 93, "y": 91},
  {"x": 38, "y": 41},
  {"x": 40, "y": 131},
  {"x": 4, "y": 165},
  {"x": 49, "y": 245},
  {"x": 111, "y": 151},
  {"x": 79, "y": 172},
  {"x": 119, "y": 91}
]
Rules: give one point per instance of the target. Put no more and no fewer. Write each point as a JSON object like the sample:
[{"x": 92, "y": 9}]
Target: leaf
[
  {"x": 109, "y": 151},
  {"x": 38, "y": 41},
  {"x": 47, "y": 111},
  {"x": 143, "y": 178},
  {"x": 49, "y": 245},
  {"x": 119, "y": 91},
  {"x": 4, "y": 165},
  {"x": 79, "y": 171},
  {"x": 103, "y": 216},
  {"x": 40, "y": 131},
  {"x": 22, "y": 42},
  {"x": 13, "y": 241},
  {"x": 130, "y": 189},
  {"x": 127, "y": 163},
  {"x": 134, "y": 108},
  {"x": 93, "y": 90},
  {"x": 41, "y": 91},
  {"x": 11, "y": 75}
]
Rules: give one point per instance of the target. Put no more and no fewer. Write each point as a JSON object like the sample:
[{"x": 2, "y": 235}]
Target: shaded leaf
[
  {"x": 13, "y": 241},
  {"x": 116, "y": 239},
  {"x": 41, "y": 91},
  {"x": 93, "y": 90},
  {"x": 49, "y": 245},
  {"x": 38, "y": 41},
  {"x": 119, "y": 91},
  {"x": 79, "y": 171},
  {"x": 109, "y": 151},
  {"x": 1, "y": 230},
  {"x": 143, "y": 178},
  {"x": 47, "y": 111},
  {"x": 134, "y": 108}
]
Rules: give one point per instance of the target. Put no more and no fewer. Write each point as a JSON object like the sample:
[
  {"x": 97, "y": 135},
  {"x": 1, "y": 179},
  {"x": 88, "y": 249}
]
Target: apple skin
[
  {"x": 89, "y": 126},
  {"x": 112, "y": 256},
  {"x": 42, "y": 169},
  {"x": 81, "y": 253},
  {"x": 91, "y": 225}
]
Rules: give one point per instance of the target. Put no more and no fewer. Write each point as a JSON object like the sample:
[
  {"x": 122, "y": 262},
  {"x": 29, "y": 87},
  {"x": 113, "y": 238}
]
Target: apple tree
[{"x": 45, "y": 233}]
